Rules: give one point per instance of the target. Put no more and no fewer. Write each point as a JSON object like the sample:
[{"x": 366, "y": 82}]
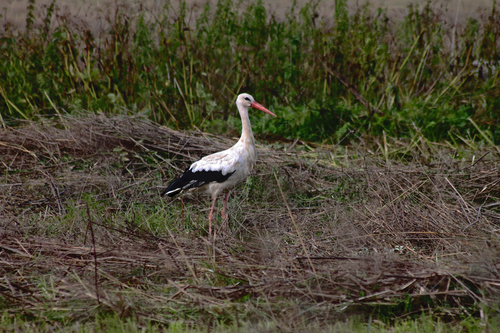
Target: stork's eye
[{"x": 248, "y": 99}]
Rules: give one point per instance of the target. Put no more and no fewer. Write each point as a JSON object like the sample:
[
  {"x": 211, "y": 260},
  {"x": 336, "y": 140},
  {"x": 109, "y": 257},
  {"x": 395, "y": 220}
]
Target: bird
[{"x": 221, "y": 172}]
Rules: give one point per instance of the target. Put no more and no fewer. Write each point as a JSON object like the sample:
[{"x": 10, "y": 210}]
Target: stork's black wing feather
[{"x": 191, "y": 179}]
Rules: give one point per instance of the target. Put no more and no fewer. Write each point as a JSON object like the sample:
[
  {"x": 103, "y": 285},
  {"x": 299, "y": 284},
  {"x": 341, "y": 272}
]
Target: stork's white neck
[{"x": 246, "y": 127}]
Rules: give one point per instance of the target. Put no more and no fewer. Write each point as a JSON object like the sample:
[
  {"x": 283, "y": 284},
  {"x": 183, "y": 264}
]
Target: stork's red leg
[
  {"x": 225, "y": 204},
  {"x": 210, "y": 217}
]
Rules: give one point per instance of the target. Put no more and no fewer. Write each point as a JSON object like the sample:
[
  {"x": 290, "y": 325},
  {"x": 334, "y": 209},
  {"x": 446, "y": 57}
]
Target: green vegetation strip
[{"x": 327, "y": 78}]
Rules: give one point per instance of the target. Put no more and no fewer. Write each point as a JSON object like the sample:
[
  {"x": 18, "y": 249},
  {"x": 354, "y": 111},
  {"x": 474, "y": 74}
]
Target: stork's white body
[
  {"x": 222, "y": 171},
  {"x": 238, "y": 161}
]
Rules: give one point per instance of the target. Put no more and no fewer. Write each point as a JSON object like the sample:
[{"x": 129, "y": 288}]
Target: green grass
[
  {"x": 113, "y": 323},
  {"x": 360, "y": 72}
]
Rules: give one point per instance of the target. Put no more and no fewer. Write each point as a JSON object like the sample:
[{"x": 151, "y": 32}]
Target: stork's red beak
[{"x": 262, "y": 108}]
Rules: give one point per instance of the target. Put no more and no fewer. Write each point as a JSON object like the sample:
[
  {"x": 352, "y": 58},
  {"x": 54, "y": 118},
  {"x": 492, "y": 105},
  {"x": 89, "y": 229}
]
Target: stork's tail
[
  {"x": 190, "y": 179},
  {"x": 171, "y": 192},
  {"x": 176, "y": 186}
]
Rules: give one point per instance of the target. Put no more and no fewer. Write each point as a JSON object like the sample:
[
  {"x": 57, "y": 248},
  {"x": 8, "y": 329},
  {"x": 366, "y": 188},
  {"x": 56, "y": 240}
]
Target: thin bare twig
[{"x": 89, "y": 226}]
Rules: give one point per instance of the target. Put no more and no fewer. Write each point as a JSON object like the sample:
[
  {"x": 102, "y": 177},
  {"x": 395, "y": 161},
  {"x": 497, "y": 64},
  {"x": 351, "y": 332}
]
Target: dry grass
[{"x": 316, "y": 234}]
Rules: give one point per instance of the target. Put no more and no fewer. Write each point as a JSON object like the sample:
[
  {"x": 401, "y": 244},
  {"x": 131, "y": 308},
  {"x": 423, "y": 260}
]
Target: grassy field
[
  {"x": 374, "y": 206},
  {"x": 380, "y": 236}
]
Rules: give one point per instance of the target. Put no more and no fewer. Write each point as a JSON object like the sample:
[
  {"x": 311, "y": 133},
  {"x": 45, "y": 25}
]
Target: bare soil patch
[{"x": 407, "y": 226}]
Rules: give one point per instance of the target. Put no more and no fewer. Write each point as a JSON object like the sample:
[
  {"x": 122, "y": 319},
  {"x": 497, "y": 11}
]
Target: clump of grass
[{"x": 362, "y": 71}]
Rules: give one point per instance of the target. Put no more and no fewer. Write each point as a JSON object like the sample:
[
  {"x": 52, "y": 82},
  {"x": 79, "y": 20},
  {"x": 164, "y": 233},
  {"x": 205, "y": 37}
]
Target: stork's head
[{"x": 246, "y": 101}]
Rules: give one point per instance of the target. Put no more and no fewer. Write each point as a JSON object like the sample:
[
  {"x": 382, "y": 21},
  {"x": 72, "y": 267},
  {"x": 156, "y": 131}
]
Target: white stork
[{"x": 222, "y": 171}]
